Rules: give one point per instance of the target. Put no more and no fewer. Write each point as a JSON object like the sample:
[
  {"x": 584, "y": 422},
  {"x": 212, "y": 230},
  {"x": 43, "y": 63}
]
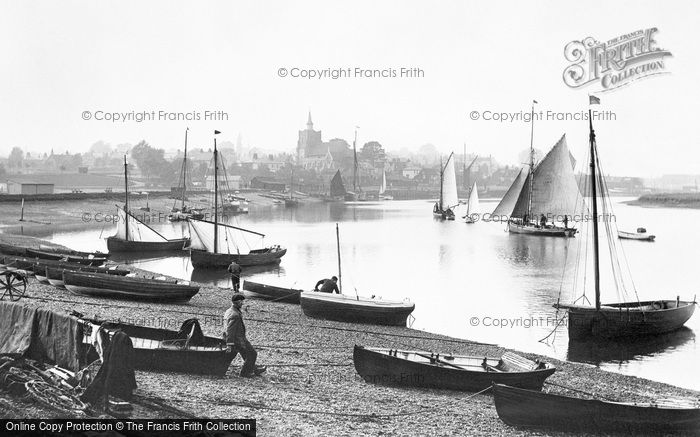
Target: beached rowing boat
[
  {"x": 456, "y": 372},
  {"x": 168, "y": 350},
  {"x": 271, "y": 292},
  {"x": 132, "y": 288},
  {"x": 54, "y": 274},
  {"x": 88, "y": 260},
  {"x": 355, "y": 309},
  {"x": 521, "y": 407}
]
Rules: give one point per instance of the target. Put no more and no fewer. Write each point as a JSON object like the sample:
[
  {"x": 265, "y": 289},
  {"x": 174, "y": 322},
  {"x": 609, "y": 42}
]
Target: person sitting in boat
[
  {"x": 235, "y": 271},
  {"x": 328, "y": 285},
  {"x": 236, "y": 340}
]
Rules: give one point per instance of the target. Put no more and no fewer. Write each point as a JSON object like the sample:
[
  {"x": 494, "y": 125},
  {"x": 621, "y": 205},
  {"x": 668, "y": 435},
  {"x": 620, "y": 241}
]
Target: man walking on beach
[
  {"x": 236, "y": 340},
  {"x": 235, "y": 271},
  {"x": 328, "y": 285}
]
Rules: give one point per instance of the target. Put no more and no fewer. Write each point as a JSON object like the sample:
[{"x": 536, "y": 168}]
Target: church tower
[{"x": 309, "y": 141}]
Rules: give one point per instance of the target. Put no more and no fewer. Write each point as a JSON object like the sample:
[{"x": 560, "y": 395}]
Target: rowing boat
[
  {"x": 356, "y": 309},
  {"x": 521, "y": 407},
  {"x": 89, "y": 260},
  {"x": 167, "y": 350},
  {"x": 639, "y": 236},
  {"x": 455, "y": 372},
  {"x": 54, "y": 274},
  {"x": 131, "y": 288},
  {"x": 271, "y": 292}
]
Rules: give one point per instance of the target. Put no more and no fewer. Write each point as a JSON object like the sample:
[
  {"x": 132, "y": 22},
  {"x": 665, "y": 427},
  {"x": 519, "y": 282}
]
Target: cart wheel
[{"x": 15, "y": 285}]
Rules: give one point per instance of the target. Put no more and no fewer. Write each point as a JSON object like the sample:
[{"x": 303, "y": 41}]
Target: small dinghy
[
  {"x": 355, "y": 309},
  {"x": 640, "y": 235},
  {"x": 455, "y": 372},
  {"x": 271, "y": 292},
  {"x": 520, "y": 407}
]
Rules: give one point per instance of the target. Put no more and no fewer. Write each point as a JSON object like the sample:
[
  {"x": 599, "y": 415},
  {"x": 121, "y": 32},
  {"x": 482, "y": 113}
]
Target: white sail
[
  {"x": 449, "y": 185},
  {"x": 138, "y": 231},
  {"x": 555, "y": 191},
  {"x": 507, "y": 203},
  {"x": 382, "y": 187},
  {"x": 473, "y": 202},
  {"x": 230, "y": 240}
]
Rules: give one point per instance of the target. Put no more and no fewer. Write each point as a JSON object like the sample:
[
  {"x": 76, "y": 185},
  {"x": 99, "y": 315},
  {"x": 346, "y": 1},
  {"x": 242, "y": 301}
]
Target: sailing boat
[
  {"x": 337, "y": 191},
  {"x": 291, "y": 202},
  {"x": 356, "y": 194},
  {"x": 448, "y": 191},
  {"x": 133, "y": 235},
  {"x": 355, "y": 309},
  {"x": 472, "y": 215},
  {"x": 382, "y": 189},
  {"x": 547, "y": 196},
  {"x": 216, "y": 244},
  {"x": 624, "y": 319},
  {"x": 184, "y": 212}
]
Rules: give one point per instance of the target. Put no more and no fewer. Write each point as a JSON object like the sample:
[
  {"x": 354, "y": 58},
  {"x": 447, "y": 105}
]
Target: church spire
[{"x": 309, "y": 123}]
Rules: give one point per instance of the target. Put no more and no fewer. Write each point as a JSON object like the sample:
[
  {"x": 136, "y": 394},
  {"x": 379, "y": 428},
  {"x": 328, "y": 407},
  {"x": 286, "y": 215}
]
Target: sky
[{"x": 60, "y": 59}]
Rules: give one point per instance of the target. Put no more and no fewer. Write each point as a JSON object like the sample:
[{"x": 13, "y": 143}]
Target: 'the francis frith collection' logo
[{"x": 616, "y": 62}]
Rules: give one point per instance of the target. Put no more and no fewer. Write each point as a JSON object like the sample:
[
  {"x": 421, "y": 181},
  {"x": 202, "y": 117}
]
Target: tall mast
[
  {"x": 532, "y": 160},
  {"x": 464, "y": 167},
  {"x": 126, "y": 199},
  {"x": 216, "y": 196},
  {"x": 291, "y": 185},
  {"x": 340, "y": 276},
  {"x": 442, "y": 172},
  {"x": 184, "y": 173},
  {"x": 354, "y": 168},
  {"x": 596, "y": 261}
]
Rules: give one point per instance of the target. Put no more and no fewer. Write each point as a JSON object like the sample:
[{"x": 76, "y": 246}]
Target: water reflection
[
  {"x": 623, "y": 350},
  {"x": 455, "y": 272}
]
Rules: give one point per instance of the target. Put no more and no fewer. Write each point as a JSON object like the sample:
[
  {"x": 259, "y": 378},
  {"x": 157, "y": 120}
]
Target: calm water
[{"x": 469, "y": 281}]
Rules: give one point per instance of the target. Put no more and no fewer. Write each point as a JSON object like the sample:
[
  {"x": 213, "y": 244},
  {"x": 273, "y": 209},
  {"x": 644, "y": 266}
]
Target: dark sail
[{"x": 337, "y": 187}]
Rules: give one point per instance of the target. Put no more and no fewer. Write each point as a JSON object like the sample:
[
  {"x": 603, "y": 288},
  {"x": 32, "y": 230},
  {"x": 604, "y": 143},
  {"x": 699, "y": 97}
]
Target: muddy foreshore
[{"x": 311, "y": 387}]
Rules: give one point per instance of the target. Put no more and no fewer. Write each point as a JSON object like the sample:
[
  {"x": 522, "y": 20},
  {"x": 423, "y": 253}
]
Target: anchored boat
[
  {"x": 619, "y": 319},
  {"x": 133, "y": 235},
  {"x": 455, "y": 372},
  {"x": 640, "y": 235},
  {"x": 521, "y": 407},
  {"x": 216, "y": 245}
]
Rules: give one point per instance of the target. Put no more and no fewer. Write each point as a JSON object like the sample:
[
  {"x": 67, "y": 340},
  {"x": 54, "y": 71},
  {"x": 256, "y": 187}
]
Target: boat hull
[
  {"x": 119, "y": 245},
  {"x": 271, "y": 292},
  {"x": 118, "y": 287},
  {"x": 349, "y": 309},
  {"x": 88, "y": 260},
  {"x": 519, "y": 407},
  {"x": 150, "y": 353},
  {"x": 627, "y": 320},
  {"x": 517, "y": 228},
  {"x": 55, "y": 274},
  {"x": 203, "y": 259},
  {"x": 635, "y": 236},
  {"x": 376, "y": 366}
]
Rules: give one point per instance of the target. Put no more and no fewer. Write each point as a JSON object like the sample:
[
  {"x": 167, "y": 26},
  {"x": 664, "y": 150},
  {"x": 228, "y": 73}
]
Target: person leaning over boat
[
  {"x": 328, "y": 285},
  {"x": 235, "y": 271},
  {"x": 236, "y": 340}
]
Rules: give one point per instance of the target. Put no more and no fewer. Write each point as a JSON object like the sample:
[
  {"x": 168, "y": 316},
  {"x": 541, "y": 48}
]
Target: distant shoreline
[{"x": 667, "y": 200}]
